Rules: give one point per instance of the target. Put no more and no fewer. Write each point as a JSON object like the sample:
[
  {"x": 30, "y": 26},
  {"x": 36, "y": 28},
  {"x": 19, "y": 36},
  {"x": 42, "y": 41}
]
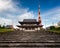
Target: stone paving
[
  {"x": 21, "y": 36},
  {"x": 40, "y": 36}
]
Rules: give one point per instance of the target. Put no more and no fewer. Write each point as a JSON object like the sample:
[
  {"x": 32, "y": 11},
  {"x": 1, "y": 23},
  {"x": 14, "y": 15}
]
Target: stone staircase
[
  {"x": 11, "y": 44},
  {"x": 21, "y": 39}
]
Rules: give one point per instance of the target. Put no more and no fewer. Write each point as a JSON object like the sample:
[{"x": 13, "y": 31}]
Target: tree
[
  {"x": 58, "y": 28},
  {"x": 0, "y": 26},
  {"x": 52, "y": 27}
]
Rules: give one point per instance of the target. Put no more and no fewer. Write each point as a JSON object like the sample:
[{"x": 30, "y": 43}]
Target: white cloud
[
  {"x": 56, "y": 16},
  {"x": 51, "y": 17},
  {"x": 5, "y": 21},
  {"x": 27, "y": 15},
  {"x": 10, "y": 14},
  {"x": 52, "y": 13},
  {"x": 5, "y": 4}
]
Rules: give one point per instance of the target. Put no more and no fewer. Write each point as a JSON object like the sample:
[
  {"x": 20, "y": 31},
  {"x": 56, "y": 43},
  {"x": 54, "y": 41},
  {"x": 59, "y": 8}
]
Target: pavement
[{"x": 38, "y": 39}]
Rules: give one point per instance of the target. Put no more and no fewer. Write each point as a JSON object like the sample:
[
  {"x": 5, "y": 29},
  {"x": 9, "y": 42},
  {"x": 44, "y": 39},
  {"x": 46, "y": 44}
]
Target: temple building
[{"x": 31, "y": 24}]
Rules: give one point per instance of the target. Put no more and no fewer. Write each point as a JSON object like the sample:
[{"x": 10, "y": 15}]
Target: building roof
[
  {"x": 9, "y": 26},
  {"x": 29, "y": 20},
  {"x": 30, "y": 26}
]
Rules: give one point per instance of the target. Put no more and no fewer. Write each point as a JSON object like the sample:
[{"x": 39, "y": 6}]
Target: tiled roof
[{"x": 29, "y": 20}]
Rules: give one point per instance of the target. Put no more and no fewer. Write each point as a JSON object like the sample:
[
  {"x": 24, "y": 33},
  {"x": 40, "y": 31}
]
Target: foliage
[
  {"x": 58, "y": 28},
  {"x": 3, "y": 26},
  {"x": 0, "y": 26},
  {"x": 6, "y": 30},
  {"x": 52, "y": 27},
  {"x": 3, "y": 29}
]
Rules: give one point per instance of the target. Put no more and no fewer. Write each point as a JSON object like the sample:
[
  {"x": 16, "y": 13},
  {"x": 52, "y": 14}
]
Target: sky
[{"x": 12, "y": 11}]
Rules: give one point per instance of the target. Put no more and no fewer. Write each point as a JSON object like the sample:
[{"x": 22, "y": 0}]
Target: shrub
[
  {"x": 3, "y": 27},
  {"x": 58, "y": 28},
  {"x": 52, "y": 27},
  {"x": 0, "y": 26}
]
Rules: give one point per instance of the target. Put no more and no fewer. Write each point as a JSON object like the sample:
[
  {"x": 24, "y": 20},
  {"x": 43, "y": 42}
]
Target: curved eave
[
  {"x": 30, "y": 26},
  {"x": 29, "y": 22}
]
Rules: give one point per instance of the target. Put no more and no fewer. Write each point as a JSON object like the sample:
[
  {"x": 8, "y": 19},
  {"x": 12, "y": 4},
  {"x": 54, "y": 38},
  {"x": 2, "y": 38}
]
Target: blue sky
[{"x": 12, "y": 11}]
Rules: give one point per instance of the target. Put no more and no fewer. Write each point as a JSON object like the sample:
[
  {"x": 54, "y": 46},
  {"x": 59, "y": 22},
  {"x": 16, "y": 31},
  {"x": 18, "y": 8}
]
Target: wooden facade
[{"x": 29, "y": 25}]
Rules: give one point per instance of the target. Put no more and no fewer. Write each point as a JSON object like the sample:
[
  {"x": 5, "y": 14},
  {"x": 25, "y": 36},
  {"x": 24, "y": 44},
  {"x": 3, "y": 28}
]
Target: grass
[
  {"x": 55, "y": 31},
  {"x": 6, "y": 30}
]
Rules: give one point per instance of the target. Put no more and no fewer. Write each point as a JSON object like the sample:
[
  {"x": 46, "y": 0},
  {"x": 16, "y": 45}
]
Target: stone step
[
  {"x": 19, "y": 39},
  {"x": 28, "y": 44}
]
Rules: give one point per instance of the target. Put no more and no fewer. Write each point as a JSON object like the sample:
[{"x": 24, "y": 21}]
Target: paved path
[{"x": 40, "y": 38}]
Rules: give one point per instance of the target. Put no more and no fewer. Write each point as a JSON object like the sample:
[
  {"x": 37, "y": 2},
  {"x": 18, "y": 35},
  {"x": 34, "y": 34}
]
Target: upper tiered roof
[{"x": 29, "y": 20}]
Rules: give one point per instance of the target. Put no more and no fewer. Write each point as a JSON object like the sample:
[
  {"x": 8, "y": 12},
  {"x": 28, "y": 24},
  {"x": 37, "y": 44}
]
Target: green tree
[
  {"x": 3, "y": 27},
  {"x": 0, "y": 26},
  {"x": 52, "y": 27},
  {"x": 58, "y": 28}
]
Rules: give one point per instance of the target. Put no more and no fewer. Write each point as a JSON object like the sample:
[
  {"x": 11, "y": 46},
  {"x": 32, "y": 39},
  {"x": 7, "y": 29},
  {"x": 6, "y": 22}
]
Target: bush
[
  {"x": 52, "y": 27},
  {"x": 3, "y": 26},
  {"x": 58, "y": 28},
  {"x": 0, "y": 26}
]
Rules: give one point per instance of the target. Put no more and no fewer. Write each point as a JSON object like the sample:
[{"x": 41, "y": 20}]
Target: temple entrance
[
  {"x": 29, "y": 29},
  {"x": 29, "y": 25}
]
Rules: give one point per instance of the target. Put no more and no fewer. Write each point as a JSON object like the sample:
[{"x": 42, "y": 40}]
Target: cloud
[
  {"x": 27, "y": 15},
  {"x": 10, "y": 14},
  {"x": 56, "y": 16},
  {"x": 5, "y": 4},
  {"x": 52, "y": 13},
  {"x": 5, "y": 21},
  {"x": 51, "y": 17}
]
